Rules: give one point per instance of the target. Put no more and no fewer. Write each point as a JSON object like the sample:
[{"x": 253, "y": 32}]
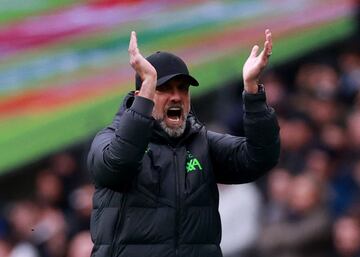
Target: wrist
[
  {"x": 251, "y": 87},
  {"x": 255, "y": 102},
  {"x": 259, "y": 89},
  {"x": 148, "y": 88}
]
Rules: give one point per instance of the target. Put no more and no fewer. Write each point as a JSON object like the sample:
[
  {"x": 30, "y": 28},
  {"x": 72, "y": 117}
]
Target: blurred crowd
[
  {"x": 313, "y": 196},
  {"x": 53, "y": 221},
  {"x": 309, "y": 205}
]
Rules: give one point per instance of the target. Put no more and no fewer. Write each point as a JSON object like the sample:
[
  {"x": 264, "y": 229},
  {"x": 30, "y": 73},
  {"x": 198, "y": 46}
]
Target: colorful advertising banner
[{"x": 64, "y": 64}]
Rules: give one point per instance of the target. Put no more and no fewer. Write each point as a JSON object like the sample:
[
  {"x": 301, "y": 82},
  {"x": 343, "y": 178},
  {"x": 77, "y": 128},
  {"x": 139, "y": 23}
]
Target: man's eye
[
  {"x": 162, "y": 88},
  {"x": 184, "y": 87}
]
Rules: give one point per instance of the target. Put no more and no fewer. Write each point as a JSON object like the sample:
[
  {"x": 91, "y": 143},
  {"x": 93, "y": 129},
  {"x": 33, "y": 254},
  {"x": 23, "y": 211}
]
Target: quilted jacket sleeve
[
  {"x": 116, "y": 151},
  {"x": 244, "y": 159}
]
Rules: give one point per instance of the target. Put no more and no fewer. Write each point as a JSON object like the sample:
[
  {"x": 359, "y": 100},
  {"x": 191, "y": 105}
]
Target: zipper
[{"x": 177, "y": 210}]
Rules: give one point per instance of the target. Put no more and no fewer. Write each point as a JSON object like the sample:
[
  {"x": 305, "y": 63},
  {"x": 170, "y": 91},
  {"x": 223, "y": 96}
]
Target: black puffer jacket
[{"x": 156, "y": 197}]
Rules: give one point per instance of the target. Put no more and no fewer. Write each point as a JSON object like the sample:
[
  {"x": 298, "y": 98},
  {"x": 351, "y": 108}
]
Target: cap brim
[{"x": 192, "y": 81}]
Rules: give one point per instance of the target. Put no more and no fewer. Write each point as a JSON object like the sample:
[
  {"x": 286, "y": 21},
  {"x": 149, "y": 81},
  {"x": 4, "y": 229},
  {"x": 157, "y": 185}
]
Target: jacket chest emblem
[{"x": 192, "y": 163}]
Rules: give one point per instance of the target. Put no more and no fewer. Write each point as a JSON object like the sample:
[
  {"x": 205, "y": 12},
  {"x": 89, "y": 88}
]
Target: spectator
[
  {"x": 353, "y": 126},
  {"x": 333, "y": 138},
  {"x": 346, "y": 232},
  {"x": 239, "y": 234},
  {"x": 80, "y": 245},
  {"x": 276, "y": 92},
  {"x": 294, "y": 148},
  {"x": 278, "y": 186},
  {"x": 49, "y": 189},
  {"x": 349, "y": 63},
  {"x": 81, "y": 205},
  {"x": 306, "y": 230},
  {"x": 50, "y": 233},
  {"x": 23, "y": 217},
  {"x": 5, "y": 248}
]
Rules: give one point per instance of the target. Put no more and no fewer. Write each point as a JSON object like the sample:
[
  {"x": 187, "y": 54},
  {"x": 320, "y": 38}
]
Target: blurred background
[{"x": 64, "y": 71}]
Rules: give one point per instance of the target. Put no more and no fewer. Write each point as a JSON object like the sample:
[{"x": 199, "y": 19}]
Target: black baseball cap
[{"x": 167, "y": 66}]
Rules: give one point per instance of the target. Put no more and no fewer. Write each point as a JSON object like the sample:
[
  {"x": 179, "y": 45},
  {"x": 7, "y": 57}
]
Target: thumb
[{"x": 254, "y": 51}]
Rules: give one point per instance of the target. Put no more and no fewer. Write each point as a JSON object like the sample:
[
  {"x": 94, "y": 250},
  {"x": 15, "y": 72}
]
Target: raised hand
[
  {"x": 142, "y": 67},
  {"x": 256, "y": 63}
]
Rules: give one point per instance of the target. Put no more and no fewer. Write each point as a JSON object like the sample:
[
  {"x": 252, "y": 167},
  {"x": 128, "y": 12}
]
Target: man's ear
[{"x": 137, "y": 92}]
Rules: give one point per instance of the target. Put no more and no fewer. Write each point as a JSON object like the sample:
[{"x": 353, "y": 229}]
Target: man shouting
[{"x": 155, "y": 168}]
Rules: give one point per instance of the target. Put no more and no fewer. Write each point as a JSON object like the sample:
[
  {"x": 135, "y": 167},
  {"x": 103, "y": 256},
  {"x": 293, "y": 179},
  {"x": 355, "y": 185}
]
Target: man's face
[{"x": 172, "y": 105}]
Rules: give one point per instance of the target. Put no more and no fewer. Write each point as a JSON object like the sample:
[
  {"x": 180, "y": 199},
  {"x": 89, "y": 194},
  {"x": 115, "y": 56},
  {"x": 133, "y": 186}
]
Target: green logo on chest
[{"x": 192, "y": 164}]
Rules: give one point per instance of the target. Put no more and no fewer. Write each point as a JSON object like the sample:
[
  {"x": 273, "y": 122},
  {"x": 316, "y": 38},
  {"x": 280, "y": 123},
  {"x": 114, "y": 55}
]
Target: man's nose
[{"x": 175, "y": 95}]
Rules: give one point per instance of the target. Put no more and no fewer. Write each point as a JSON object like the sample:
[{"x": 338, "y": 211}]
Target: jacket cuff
[
  {"x": 143, "y": 106},
  {"x": 254, "y": 102}
]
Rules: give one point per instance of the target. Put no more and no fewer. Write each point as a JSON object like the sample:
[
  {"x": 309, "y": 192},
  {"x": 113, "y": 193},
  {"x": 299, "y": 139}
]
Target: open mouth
[{"x": 174, "y": 113}]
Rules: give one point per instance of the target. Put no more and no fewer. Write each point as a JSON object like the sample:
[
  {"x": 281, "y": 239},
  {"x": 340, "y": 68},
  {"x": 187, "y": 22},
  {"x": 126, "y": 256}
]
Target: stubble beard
[{"x": 172, "y": 132}]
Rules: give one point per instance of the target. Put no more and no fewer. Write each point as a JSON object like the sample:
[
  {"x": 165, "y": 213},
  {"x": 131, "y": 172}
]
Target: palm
[
  {"x": 138, "y": 62},
  {"x": 253, "y": 67},
  {"x": 256, "y": 63}
]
